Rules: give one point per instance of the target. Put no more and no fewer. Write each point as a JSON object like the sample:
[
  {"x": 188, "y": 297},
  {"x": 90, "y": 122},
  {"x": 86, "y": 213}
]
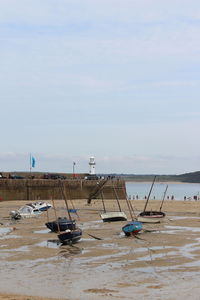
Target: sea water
[{"x": 176, "y": 191}]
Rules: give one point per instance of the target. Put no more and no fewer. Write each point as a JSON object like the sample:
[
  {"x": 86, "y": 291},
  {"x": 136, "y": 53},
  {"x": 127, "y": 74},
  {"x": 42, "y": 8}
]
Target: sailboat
[
  {"x": 133, "y": 227},
  {"x": 152, "y": 216},
  {"x": 60, "y": 223},
  {"x": 73, "y": 235},
  {"x": 112, "y": 216}
]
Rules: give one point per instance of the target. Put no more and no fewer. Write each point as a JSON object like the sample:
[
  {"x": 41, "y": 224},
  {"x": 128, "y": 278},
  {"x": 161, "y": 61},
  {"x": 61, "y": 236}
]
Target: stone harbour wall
[{"x": 44, "y": 189}]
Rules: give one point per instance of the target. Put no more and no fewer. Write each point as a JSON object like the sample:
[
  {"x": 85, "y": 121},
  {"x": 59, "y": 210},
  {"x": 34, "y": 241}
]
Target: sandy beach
[{"x": 163, "y": 262}]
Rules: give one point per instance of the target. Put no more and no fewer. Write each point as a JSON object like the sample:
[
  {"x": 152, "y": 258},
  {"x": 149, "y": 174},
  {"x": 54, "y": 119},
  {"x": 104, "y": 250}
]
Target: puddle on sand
[
  {"x": 42, "y": 231},
  {"x": 177, "y": 229},
  {"x": 9, "y": 236},
  {"x": 181, "y": 218},
  {"x": 87, "y": 239},
  {"x": 20, "y": 249},
  {"x": 50, "y": 244},
  {"x": 5, "y": 230},
  {"x": 91, "y": 224},
  {"x": 183, "y": 228},
  {"x": 68, "y": 251}
]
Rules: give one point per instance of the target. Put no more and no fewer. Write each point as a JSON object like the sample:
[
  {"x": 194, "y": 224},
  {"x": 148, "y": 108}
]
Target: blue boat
[
  {"x": 72, "y": 210},
  {"x": 132, "y": 228}
]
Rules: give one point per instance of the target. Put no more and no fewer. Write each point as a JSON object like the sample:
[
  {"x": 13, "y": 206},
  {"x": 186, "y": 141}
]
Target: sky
[{"x": 115, "y": 79}]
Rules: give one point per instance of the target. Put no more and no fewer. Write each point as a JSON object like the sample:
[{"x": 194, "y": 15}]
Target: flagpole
[{"x": 30, "y": 164}]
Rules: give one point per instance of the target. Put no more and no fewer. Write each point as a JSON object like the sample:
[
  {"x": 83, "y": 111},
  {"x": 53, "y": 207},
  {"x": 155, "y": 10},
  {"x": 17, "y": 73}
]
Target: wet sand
[{"x": 163, "y": 262}]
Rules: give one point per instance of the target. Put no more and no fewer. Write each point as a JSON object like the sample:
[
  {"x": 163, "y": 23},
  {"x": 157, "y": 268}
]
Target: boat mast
[
  {"x": 149, "y": 194},
  {"x": 117, "y": 198},
  {"x": 65, "y": 199},
  {"x": 129, "y": 205},
  {"x": 54, "y": 208},
  {"x": 70, "y": 196},
  {"x": 104, "y": 208},
  {"x": 163, "y": 197}
]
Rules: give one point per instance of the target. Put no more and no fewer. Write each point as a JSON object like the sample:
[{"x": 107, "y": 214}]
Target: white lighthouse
[{"x": 92, "y": 166}]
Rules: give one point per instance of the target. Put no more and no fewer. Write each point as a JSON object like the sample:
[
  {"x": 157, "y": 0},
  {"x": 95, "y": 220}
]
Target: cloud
[
  {"x": 135, "y": 164},
  {"x": 111, "y": 77},
  {"x": 57, "y": 12}
]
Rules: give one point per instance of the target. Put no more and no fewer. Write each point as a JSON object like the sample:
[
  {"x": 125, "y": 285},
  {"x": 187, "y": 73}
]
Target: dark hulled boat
[
  {"x": 61, "y": 224},
  {"x": 113, "y": 216},
  {"x": 70, "y": 236},
  {"x": 73, "y": 235}
]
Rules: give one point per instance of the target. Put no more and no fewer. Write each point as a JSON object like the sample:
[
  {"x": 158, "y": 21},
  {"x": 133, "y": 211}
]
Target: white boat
[
  {"x": 25, "y": 211},
  {"x": 42, "y": 206},
  {"x": 151, "y": 216},
  {"x": 113, "y": 216}
]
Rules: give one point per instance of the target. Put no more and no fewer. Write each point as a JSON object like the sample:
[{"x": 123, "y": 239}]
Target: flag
[{"x": 32, "y": 162}]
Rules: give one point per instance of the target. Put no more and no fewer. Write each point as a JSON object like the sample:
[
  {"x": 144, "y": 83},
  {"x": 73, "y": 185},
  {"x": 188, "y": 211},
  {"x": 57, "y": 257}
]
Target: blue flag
[{"x": 33, "y": 162}]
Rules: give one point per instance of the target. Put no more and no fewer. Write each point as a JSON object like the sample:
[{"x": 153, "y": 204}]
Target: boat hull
[
  {"x": 113, "y": 216},
  {"x": 70, "y": 236},
  {"x": 45, "y": 208},
  {"x": 61, "y": 224},
  {"x": 151, "y": 217},
  {"x": 132, "y": 228}
]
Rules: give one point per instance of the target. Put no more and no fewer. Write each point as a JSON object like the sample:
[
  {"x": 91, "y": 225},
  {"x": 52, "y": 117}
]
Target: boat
[
  {"x": 132, "y": 228},
  {"x": 42, "y": 206},
  {"x": 25, "y": 211},
  {"x": 61, "y": 224},
  {"x": 70, "y": 236},
  {"x": 73, "y": 235},
  {"x": 152, "y": 216},
  {"x": 113, "y": 216}
]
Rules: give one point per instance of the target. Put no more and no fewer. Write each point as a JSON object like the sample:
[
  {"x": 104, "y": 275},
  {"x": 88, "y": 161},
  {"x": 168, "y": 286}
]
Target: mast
[
  {"x": 104, "y": 208},
  {"x": 129, "y": 205},
  {"x": 65, "y": 199},
  {"x": 163, "y": 197},
  {"x": 117, "y": 198},
  {"x": 149, "y": 194}
]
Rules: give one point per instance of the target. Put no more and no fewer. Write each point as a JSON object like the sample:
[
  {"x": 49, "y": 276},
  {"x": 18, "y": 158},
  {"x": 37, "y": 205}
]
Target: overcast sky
[{"x": 115, "y": 79}]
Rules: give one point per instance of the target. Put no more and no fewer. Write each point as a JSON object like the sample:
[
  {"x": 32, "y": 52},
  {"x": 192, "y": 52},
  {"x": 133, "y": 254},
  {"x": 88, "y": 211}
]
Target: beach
[{"x": 162, "y": 262}]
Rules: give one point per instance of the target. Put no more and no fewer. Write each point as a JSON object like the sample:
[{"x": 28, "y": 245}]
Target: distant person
[{"x": 172, "y": 198}]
